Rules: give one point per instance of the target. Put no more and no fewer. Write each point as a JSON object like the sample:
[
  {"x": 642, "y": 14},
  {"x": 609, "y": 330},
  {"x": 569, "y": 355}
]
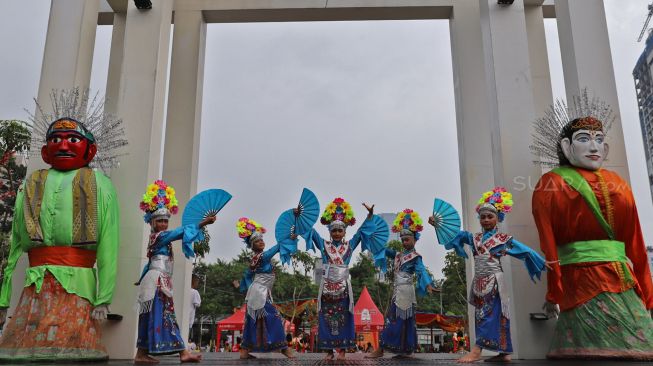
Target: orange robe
[{"x": 562, "y": 216}]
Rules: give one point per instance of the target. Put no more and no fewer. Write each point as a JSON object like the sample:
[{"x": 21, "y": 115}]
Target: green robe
[{"x": 56, "y": 221}]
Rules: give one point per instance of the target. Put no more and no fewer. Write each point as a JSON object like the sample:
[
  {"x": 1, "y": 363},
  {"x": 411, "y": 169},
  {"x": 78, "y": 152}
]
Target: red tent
[
  {"x": 232, "y": 323},
  {"x": 368, "y": 319}
]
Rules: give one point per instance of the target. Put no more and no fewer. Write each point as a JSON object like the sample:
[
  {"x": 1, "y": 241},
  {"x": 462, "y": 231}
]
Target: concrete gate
[{"x": 501, "y": 79}]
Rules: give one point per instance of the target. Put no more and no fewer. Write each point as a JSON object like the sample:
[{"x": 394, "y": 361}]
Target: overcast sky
[{"x": 362, "y": 110}]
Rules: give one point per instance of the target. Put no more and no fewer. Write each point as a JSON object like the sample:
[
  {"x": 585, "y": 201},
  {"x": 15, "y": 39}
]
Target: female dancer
[{"x": 263, "y": 324}]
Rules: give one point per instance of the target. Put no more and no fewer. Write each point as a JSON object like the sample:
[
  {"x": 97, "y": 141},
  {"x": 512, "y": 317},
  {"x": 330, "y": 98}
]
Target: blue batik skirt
[
  {"x": 336, "y": 324},
  {"x": 399, "y": 335},
  {"x": 158, "y": 331},
  {"x": 266, "y": 333},
  {"x": 492, "y": 327}
]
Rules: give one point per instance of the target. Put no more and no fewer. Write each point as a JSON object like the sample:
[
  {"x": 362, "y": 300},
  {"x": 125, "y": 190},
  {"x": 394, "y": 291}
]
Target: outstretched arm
[
  {"x": 268, "y": 254},
  {"x": 424, "y": 280},
  {"x": 534, "y": 262}
]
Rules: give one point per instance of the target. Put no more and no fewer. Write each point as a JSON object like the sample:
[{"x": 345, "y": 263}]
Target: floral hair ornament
[
  {"x": 408, "y": 221},
  {"x": 249, "y": 229},
  {"x": 159, "y": 200},
  {"x": 498, "y": 200},
  {"x": 338, "y": 210}
]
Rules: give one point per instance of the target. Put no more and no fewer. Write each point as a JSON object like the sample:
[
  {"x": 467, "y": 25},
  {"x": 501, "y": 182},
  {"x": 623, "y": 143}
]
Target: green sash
[
  {"x": 592, "y": 250},
  {"x": 577, "y": 182}
]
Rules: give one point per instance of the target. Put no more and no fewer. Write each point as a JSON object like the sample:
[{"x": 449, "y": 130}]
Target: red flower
[
  {"x": 338, "y": 201},
  {"x": 161, "y": 184}
]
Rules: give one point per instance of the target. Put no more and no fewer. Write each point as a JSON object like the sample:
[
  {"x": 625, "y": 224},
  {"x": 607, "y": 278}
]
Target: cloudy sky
[{"x": 362, "y": 110}]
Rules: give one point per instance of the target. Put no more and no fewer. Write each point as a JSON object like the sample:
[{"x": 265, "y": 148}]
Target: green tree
[
  {"x": 15, "y": 138},
  {"x": 299, "y": 284},
  {"x": 454, "y": 288}
]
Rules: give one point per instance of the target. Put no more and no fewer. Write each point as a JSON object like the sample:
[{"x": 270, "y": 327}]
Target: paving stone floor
[{"x": 316, "y": 359}]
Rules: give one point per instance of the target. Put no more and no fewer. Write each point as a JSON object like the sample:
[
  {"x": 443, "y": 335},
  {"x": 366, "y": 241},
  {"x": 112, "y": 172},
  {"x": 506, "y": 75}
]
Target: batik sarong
[
  {"x": 611, "y": 325},
  {"x": 52, "y": 325},
  {"x": 265, "y": 333}
]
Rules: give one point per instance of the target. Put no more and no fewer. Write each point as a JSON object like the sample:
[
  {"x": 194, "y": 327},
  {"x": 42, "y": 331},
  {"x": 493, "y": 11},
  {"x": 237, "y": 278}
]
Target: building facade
[{"x": 644, "y": 89}]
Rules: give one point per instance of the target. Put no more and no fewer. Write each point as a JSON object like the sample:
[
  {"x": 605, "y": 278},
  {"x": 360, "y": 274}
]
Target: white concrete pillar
[
  {"x": 68, "y": 53},
  {"x": 141, "y": 96},
  {"x": 511, "y": 114},
  {"x": 539, "y": 59},
  {"x": 67, "y": 61},
  {"x": 587, "y": 63},
  {"x": 69, "y": 45},
  {"x": 181, "y": 152},
  {"x": 472, "y": 104},
  {"x": 115, "y": 63}
]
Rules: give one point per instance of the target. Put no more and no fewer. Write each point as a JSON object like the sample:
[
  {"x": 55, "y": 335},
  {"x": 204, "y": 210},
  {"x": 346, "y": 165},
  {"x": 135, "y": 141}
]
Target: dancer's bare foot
[
  {"x": 376, "y": 354},
  {"x": 142, "y": 358},
  {"x": 244, "y": 354},
  {"x": 341, "y": 355},
  {"x": 329, "y": 356},
  {"x": 288, "y": 353},
  {"x": 473, "y": 356},
  {"x": 185, "y": 356},
  {"x": 501, "y": 357}
]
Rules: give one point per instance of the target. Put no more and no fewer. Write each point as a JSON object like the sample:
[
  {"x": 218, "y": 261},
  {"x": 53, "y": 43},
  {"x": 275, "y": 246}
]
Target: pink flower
[
  {"x": 408, "y": 210},
  {"x": 161, "y": 184},
  {"x": 174, "y": 210}
]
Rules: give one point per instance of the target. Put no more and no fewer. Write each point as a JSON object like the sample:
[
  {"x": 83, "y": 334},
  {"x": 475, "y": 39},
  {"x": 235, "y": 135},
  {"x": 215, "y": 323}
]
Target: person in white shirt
[{"x": 195, "y": 300}]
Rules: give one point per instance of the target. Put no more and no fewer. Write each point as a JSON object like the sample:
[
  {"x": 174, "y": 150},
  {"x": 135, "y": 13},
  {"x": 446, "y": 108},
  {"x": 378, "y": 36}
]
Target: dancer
[
  {"x": 335, "y": 298},
  {"x": 489, "y": 293},
  {"x": 158, "y": 331},
  {"x": 263, "y": 325},
  {"x": 66, "y": 219},
  {"x": 587, "y": 220},
  {"x": 400, "y": 333}
]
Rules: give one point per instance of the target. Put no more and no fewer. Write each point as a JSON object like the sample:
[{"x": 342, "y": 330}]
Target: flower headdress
[
  {"x": 338, "y": 210},
  {"x": 498, "y": 200},
  {"x": 248, "y": 229},
  {"x": 159, "y": 200},
  {"x": 408, "y": 220}
]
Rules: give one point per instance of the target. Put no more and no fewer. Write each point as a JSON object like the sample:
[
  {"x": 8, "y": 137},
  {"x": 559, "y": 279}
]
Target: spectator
[{"x": 195, "y": 300}]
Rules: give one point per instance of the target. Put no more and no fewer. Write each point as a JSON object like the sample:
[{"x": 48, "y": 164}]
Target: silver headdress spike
[
  {"x": 548, "y": 128},
  {"x": 107, "y": 129}
]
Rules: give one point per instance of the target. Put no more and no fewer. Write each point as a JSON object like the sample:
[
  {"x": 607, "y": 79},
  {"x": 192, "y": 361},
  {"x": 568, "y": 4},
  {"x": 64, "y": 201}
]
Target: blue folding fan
[
  {"x": 447, "y": 221},
  {"x": 309, "y": 210},
  {"x": 284, "y": 228},
  {"x": 378, "y": 240},
  {"x": 204, "y": 204}
]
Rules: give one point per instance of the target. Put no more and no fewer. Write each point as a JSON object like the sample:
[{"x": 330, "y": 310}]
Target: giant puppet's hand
[
  {"x": 551, "y": 309},
  {"x": 100, "y": 312}
]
